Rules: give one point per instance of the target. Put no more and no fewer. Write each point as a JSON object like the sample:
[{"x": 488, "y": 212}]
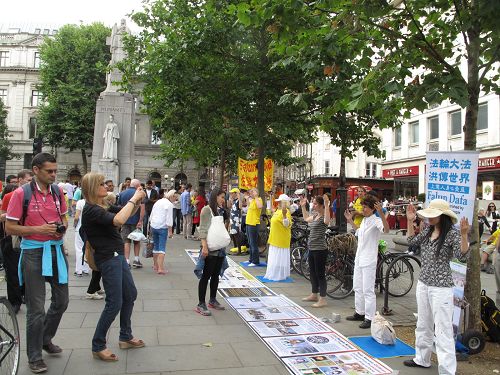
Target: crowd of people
[{"x": 35, "y": 213}]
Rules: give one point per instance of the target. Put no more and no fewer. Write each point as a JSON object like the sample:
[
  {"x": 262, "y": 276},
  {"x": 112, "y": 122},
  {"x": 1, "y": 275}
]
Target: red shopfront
[
  {"x": 405, "y": 180},
  {"x": 489, "y": 170}
]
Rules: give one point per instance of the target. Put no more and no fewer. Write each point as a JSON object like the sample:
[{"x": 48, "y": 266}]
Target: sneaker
[
  {"x": 95, "y": 295},
  {"x": 202, "y": 309},
  {"x": 101, "y": 292},
  {"x": 367, "y": 323},
  {"x": 356, "y": 317},
  {"x": 38, "y": 367},
  {"x": 78, "y": 274},
  {"x": 411, "y": 363},
  {"x": 137, "y": 264},
  {"x": 252, "y": 265},
  {"x": 52, "y": 349},
  {"x": 214, "y": 304}
]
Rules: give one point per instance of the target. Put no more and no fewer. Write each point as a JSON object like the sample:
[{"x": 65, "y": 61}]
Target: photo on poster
[
  {"x": 349, "y": 363},
  {"x": 273, "y": 313},
  {"x": 259, "y": 302},
  {"x": 272, "y": 328},
  {"x": 309, "y": 344},
  {"x": 246, "y": 292}
]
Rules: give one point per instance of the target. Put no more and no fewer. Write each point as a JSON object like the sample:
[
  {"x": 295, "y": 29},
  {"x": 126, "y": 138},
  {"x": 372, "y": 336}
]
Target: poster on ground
[
  {"x": 350, "y": 363},
  {"x": 309, "y": 344},
  {"x": 272, "y": 328},
  {"x": 236, "y": 277},
  {"x": 246, "y": 292},
  {"x": 273, "y": 313},
  {"x": 259, "y": 302},
  {"x": 452, "y": 176}
]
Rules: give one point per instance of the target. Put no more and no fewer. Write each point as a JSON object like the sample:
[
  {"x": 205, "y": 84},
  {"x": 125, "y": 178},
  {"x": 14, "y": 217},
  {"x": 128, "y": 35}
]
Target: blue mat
[
  {"x": 369, "y": 345},
  {"x": 264, "y": 280},
  {"x": 245, "y": 264}
]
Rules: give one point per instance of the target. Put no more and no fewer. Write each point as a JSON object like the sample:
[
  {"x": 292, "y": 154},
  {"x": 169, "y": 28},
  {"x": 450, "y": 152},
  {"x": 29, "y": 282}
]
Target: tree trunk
[
  {"x": 222, "y": 167},
  {"x": 260, "y": 174},
  {"x": 473, "y": 278},
  {"x": 84, "y": 161}
]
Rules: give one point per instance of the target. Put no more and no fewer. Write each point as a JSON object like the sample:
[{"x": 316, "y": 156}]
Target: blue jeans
[
  {"x": 160, "y": 240},
  {"x": 253, "y": 242},
  {"x": 120, "y": 296}
]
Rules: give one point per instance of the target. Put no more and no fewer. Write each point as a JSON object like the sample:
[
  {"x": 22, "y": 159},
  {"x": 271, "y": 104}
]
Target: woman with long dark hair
[
  {"x": 492, "y": 216},
  {"x": 213, "y": 257},
  {"x": 440, "y": 242}
]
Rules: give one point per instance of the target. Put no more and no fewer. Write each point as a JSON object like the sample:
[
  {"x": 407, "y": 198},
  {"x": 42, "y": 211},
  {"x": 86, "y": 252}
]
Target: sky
[{"x": 59, "y": 12}]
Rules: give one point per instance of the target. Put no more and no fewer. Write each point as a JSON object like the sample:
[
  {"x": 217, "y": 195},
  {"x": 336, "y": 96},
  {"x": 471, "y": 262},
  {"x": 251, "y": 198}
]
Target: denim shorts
[{"x": 160, "y": 240}]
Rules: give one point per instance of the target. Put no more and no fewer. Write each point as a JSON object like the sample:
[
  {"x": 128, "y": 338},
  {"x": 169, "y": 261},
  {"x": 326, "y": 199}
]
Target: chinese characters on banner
[
  {"x": 452, "y": 176},
  {"x": 247, "y": 174}
]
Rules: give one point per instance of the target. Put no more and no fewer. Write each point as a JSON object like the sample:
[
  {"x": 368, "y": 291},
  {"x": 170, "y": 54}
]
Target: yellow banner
[{"x": 247, "y": 174}]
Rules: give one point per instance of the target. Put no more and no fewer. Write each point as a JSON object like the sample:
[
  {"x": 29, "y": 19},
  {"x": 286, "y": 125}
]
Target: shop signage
[
  {"x": 400, "y": 172},
  {"x": 489, "y": 163},
  {"x": 325, "y": 183}
]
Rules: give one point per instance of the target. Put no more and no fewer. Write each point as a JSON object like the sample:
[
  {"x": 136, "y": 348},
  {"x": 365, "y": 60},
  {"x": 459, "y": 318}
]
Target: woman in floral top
[{"x": 439, "y": 243}]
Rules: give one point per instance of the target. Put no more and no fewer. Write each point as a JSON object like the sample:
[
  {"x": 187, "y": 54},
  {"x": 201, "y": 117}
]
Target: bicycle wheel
[
  {"x": 400, "y": 277},
  {"x": 339, "y": 277},
  {"x": 9, "y": 339},
  {"x": 304, "y": 265},
  {"x": 295, "y": 257}
]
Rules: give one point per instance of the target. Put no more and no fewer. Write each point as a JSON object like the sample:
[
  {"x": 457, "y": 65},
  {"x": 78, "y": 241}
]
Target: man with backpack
[{"x": 37, "y": 213}]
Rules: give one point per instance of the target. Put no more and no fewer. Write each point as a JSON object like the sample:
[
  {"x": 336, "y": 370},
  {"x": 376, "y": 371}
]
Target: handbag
[
  {"x": 217, "y": 236},
  {"x": 382, "y": 330},
  {"x": 88, "y": 255},
  {"x": 147, "y": 252}
]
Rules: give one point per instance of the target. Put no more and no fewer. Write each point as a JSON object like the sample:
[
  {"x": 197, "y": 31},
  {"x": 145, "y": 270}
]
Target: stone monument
[{"x": 113, "y": 152}]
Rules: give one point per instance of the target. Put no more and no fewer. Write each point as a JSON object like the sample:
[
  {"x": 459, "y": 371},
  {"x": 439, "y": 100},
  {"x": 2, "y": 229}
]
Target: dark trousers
[
  {"x": 213, "y": 265},
  {"x": 41, "y": 327},
  {"x": 237, "y": 240},
  {"x": 253, "y": 243},
  {"x": 95, "y": 282},
  {"x": 120, "y": 296},
  {"x": 177, "y": 220},
  {"x": 11, "y": 260},
  {"x": 317, "y": 261}
]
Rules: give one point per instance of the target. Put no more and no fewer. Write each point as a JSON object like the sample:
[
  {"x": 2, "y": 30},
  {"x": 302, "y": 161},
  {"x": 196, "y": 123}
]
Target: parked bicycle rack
[{"x": 386, "y": 310}]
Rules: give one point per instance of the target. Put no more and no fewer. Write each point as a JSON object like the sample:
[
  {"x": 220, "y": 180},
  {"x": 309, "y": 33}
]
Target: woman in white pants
[
  {"x": 79, "y": 267},
  {"x": 440, "y": 242}
]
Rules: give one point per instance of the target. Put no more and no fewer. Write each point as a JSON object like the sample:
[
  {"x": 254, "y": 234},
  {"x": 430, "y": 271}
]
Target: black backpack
[
  {"x": 490, "y": 317},
  {"x": 28, "y": 193}
]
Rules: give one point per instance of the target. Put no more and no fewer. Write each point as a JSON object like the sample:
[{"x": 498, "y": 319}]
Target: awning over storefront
[{"x": 400, "y": 172}]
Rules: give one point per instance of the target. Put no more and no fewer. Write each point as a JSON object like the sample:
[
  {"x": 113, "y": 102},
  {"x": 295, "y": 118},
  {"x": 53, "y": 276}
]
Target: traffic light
[{"x": 37, "y": 146}]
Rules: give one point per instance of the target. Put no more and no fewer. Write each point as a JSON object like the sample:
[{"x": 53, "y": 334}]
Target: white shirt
[
  {"x": 70, "y": 188},
  {"x": 79, "y": 207},
  {"x": 162, "y": 214},
  {"x": 368, "y": 234}
]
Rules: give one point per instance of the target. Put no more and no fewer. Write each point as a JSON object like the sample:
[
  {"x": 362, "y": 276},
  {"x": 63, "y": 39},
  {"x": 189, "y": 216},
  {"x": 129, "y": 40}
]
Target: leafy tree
[
  {"x": 5, "y": 144},
  {"x": 209, "y": 87},
  {"x": 72, "y": 74}
]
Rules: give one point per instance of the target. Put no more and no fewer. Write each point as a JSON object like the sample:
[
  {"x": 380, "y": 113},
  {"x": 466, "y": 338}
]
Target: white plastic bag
[
  {"x": 217, "y": 236},
  {"x": 137, "y": 235},
  {"x": 382, "y": 330}
]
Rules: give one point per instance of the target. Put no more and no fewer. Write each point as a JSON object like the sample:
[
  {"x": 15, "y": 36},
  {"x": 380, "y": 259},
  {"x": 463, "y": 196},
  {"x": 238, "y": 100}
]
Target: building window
[
  {"x": 455, "y": 123},
  {"x": 3, "y": 96},
  {"x": 32, "y": 128},
  {"x": 397, "y": 137},
  {"x": 156, "y": 138},
  {"x": 414, "y": 129},
  {"x": 35, "y": 98},
  {"x": 327, "y": 166},
  {"x": 434, "y": 128},
  {"x": 371, "y": 170},
  {"x": 4, "y": 57},
  {"x": 482, "y": 117},
  {"x": 36, "y": 60}
]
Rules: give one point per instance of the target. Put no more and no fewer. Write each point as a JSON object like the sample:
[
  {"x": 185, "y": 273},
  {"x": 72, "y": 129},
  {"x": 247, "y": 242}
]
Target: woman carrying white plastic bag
[{"x": 214, "y": 239}]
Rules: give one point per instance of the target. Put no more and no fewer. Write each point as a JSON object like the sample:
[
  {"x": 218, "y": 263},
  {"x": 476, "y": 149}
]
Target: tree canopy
[{"x": 72, "y": 75}]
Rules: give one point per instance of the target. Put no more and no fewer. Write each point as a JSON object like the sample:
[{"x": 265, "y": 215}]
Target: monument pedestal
[{"x": 110, "y": 169}]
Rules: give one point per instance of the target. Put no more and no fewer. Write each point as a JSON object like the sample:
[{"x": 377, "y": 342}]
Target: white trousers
[
  {"x": 79, "y": 267},
  {"x": 434, "y": 323},
  {"x": 364, "y": 290}
]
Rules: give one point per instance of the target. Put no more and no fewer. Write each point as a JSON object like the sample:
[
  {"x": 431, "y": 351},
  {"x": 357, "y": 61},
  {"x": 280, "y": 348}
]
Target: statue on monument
[
  {"x": 111, "y": 136},
  {"x": 117, "y": 53}
]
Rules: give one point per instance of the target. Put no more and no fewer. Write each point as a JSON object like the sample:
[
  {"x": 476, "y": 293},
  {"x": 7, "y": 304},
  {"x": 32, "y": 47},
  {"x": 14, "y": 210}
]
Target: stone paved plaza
[{"x": 174, "y": 334}]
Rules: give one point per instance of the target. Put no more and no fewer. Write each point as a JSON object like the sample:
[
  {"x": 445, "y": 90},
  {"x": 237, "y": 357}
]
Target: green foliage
[
  {"x": 208, "y": 84},
  {"x": 72, "y": 74},
  {"x": 5, "y": 144}
]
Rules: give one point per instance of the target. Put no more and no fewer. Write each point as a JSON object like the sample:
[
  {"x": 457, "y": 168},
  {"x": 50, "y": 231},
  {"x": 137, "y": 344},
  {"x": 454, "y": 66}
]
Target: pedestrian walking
[
  {"x": 187, "y": 213},
  {"x": 161, "y": 223},
  {"x": 100, "y": 224}
]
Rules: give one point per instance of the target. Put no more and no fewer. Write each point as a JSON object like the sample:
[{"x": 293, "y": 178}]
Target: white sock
[{"x": 136, "y": 258}]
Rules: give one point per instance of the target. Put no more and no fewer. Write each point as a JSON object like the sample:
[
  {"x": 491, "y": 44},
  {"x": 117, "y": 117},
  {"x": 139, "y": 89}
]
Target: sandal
[
  {"x": 105, "y": 355},
  {"x": 131, "y": 344},
  {"x": 162, "y": 272}
]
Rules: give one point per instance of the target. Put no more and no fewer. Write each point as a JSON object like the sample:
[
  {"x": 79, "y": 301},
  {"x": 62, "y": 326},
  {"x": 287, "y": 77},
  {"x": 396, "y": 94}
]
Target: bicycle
[
  {"x": 9, "y": 338},
  {"x": 298, "y": 244}
]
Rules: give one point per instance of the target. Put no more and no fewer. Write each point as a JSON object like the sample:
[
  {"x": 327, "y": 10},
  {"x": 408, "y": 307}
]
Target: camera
[{"x": 60, "y": 228}]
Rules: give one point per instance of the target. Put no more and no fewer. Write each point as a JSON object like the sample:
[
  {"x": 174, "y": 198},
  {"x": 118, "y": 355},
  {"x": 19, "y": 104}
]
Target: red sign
[
  {"x": 400, "y": 172},
  {"x": 310, "y": 187},
  {"x": 489, "y": 163}
]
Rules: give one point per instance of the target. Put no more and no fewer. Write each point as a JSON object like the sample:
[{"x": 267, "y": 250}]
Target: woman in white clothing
[
  {"x": 80, "y": 268},
  {"x": 280, "y": 234},
  {"x": 161, "y": 222}
]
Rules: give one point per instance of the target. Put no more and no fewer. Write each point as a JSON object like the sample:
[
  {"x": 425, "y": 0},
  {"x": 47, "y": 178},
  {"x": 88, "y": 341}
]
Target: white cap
[{"x": 283, "y": 197}]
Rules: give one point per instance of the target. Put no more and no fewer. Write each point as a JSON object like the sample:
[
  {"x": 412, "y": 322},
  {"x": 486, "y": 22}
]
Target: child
[{"x": 365, "y": 263}]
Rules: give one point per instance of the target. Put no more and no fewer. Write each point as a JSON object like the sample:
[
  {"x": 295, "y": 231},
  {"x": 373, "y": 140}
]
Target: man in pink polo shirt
[{"x": 42, "y": 227}]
